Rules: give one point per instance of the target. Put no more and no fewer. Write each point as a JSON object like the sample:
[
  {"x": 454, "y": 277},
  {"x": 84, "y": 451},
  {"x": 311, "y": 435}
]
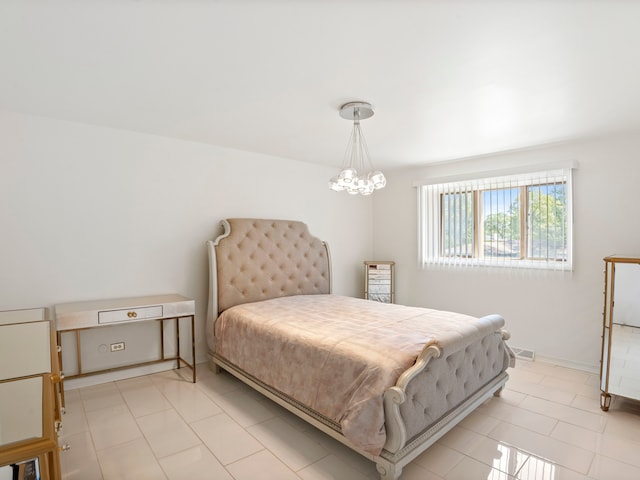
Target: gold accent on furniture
[
  {"x": 379, "y": 281},
  {"x": 619, "y": 372},
  {"x": 80, "y": 317},
  {"x": 29, "y": 393}
]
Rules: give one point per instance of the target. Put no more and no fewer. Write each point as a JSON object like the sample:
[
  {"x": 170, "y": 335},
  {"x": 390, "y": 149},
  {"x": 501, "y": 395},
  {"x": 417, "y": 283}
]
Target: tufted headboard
[{"x": 258, "y": 259}]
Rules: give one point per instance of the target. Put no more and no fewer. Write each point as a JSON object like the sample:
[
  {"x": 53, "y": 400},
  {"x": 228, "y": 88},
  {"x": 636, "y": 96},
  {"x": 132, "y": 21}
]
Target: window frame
[{"x": 431, "y": 241}]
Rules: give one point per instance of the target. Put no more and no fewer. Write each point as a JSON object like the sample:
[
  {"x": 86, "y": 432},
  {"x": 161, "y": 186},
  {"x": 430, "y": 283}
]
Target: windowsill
[{"x": 515, "y": 264}]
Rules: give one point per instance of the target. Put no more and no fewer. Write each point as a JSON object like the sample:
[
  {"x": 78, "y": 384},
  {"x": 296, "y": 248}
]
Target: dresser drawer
[
  {"x": 130, "y": 314},
  {"x": 25, "y": 349},
  {"x": 21, "y": 412}
]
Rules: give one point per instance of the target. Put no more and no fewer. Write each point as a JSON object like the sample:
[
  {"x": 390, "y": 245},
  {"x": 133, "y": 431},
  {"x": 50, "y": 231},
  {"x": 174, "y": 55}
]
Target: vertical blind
[{"x": 521, "y": 220}]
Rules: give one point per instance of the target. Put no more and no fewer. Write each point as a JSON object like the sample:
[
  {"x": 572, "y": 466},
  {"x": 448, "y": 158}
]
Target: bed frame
[{"x": 257, "y": 259}]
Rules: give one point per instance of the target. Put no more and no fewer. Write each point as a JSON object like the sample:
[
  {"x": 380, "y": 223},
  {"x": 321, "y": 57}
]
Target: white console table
[{"x": 80, "y": 316}]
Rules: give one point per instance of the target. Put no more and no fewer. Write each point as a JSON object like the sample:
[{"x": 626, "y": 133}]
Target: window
[{"x": 519, "y": 220}]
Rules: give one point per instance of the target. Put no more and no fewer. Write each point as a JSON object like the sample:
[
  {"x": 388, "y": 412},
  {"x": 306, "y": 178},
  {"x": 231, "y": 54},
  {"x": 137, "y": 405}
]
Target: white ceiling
[{"x": 448, "y": 79}]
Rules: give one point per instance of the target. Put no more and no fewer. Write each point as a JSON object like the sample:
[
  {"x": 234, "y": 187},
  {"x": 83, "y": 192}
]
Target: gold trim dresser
[
  {"x": 29, "y": 396},
  {"x": 620, "y": 360}
]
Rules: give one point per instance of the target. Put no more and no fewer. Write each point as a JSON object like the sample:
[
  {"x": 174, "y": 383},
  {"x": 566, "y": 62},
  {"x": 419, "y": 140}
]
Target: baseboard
[
  {"x": 107, "y": 377},
  {"x": 563, "y": 362}
]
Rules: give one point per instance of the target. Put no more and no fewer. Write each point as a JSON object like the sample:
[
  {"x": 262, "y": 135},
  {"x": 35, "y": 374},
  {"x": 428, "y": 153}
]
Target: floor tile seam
[
  {"x": 203, "y": 390},
  {"x": 84, "y": 416},
  {"x": 191, "y": 427},
  {"x": 486, "y": 436},
  {"x": 564, "y": 405},
  {"x": 596, "y": 404},
  {"x": 469, "y": 447},
  {"x": 331, "y": 454},
  {"x": 327, "y": 454},
  {"x": 255, "y": 453},
  {"x": 562, "y": 419},
  {"x": 325, "y": 450},
  {"x": 134, "y": 421},
  {"x": 565, "y": 388},
  {"x": 536, "y": 395},
  {"x": 517, "y": 379},
  {"x": 527, "y": 453},
  {"x": 93, "y": 442},
  {"x": 467, "y": 455},
  {"x": 578, "y": 424},
  {"x": 120, "y": 445},
  {"x": 619, "y": 460},
  {"x": 510, "y": 390},
  {"x": 139, "y": 417},
  {"x": 93, "y": 447},
  {"x": 150, "y": 412},
  {"x": 92, "y": 410},
  {"x": 130, "y": 411},
  {"x": 229, "y": 413},
  {"x": 117, "y": 444},
  {"x": 133, "y": 395},
  {"x": 133, "y": 383},
  {"x": 303, "y": 433},
  {"x": 547, "y": 389},
  {"x": 183, "y": 423},
  {"x": 501, "y": 419},
  {"x": 448, "y": 470},
  {"x": 537, "y": 455},
  {"x": 245, "y": 430},
  {"x": 97, "y": 386},
  {"x": 517, "y": 474},
  {"x": 600, "y": 436},
  {"x": 201, "y": 444},
  {"x": 553, "y": 377},
  {"x": 174, "y": 407}
]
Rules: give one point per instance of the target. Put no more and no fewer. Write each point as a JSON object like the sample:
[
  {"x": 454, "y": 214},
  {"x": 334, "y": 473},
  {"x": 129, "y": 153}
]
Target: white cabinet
[{"x": 620, "y": 361}]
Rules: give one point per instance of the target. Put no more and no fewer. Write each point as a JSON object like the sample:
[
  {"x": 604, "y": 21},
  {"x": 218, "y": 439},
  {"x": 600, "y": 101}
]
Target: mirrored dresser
[
  {"x": 29, "y": 396},
  {"x": 379, "y": 282},
  {"x": 620, "y": 360}
]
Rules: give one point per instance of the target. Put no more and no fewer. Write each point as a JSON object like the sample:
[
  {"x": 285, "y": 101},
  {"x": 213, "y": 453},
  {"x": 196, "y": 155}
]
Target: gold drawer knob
[{"x": 132, "y": 314}]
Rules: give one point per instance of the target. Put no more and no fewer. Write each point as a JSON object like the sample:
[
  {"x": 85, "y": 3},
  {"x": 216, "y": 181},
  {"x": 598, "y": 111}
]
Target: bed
[{"x": 386, "y": 380}]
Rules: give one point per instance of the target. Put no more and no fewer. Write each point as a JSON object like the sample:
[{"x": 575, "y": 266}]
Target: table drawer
[{"x": 130, "y": 314}]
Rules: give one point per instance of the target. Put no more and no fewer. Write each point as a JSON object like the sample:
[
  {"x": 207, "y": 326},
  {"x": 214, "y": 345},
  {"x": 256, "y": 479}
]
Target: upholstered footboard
[
  {"x": 435, "y": 394},
  {"x": 428, "y": 400}
]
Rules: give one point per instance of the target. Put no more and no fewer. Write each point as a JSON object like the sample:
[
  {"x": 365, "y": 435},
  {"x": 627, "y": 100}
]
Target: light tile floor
[{"x": 547, "y": 425}]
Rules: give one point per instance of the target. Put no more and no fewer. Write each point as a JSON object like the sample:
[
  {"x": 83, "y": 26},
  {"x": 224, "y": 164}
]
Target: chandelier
[{"x": 358, "y": 176}]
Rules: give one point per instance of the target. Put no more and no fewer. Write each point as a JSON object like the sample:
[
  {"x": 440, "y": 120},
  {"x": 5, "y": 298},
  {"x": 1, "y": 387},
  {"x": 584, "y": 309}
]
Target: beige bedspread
[{"x": 337, "y": 354}]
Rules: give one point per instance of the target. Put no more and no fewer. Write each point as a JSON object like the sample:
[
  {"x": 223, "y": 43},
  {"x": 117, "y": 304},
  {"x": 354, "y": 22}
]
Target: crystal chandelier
[{"x": 358, "y": 176}]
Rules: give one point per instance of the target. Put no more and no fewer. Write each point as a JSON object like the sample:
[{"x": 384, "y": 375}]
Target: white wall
[
  {"x": 556, "y": 314},
  {"x": 91, "y": 213}
]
